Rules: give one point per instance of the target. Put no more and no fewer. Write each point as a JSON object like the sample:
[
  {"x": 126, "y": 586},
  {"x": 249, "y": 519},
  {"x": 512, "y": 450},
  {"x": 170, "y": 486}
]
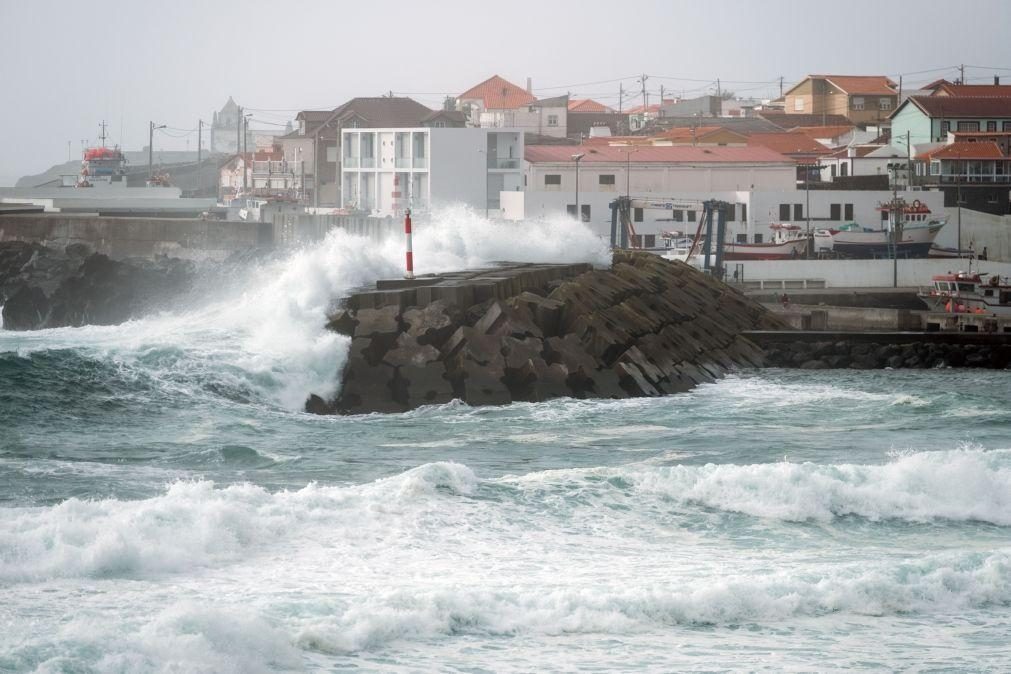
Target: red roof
[
  {"x": 871, "y": 85},
  {"x": 965, "y": 151},
  {"x": 587, "y": 105},
  {"x": 497, "y": 93},
  {"x": 684, "y": 133},
  {"x": 963, "y": 106},
  {"x": 653, "y": 154},
  {"x": 652, "y": 107},
  {"x": 788, "y": 143},
  {"x": 973, "y": 90},
  {"x": 822, "y": 131}
]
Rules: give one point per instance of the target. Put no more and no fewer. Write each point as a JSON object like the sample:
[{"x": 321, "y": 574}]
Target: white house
[{"x": 385, "y": 171}]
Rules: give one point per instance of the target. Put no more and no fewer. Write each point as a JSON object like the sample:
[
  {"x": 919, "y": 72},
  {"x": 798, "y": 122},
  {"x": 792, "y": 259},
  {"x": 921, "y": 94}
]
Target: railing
[
  {"x": 368, "y": 162},
  {"x": 970, "y": 178},
  {"x": 403, "y": 162},
  {"x": 350, "y": 162},
  {"x": 420, "y": 162},
  {"x": 494, "y": 163}
]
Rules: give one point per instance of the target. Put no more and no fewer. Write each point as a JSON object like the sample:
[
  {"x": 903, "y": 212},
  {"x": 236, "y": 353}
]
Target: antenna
[{"x": 103, "y": 135}]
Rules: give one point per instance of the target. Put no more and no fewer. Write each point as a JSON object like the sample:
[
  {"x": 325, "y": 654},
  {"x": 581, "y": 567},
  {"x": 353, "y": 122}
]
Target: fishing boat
[
  {"x": 969, "y": 292},
  {"x": 788, "y": 243},
  {"x": 916, "y": 234},
  {"x": 102, "y": 167}
]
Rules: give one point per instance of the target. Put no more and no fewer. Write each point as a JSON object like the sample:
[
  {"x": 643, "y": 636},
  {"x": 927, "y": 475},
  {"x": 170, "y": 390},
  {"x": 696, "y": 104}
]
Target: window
[
  {"x": 968, "y": 126},
  {"x": 798, "y": 105},
  {"x": 784, "y": 211},
  {"x": 679, "y": 216},
  {"x": 858, "y": 103},
  {"x": 885, "y": 104},
  {"x": 848, "y": 212},
  {"x": 945, "y": 128},
  {"x": 758, "y": 238},
  {"x": 742, "y": 238},
  {"x": 552, "y": 120},
  {"x": 636, "y": 214},
  {"x": 731, "y": 213},
  {"x": 585, "y": 208},
  {"x": 744, "y": 212},
  {"x": 884, "y": 215},
  {"x": 798, "y": 211},
  {"x": 691, "y": 216},
  {"x": 650, "y": 240},
  {"x": 606, "y": 180},
  {"x": 1006, "y": 126},
  {"x": 844, "y": 170},
  {"x": 834, "y": 211},
  {"x": 552, "y": 179},
  {"x": 991, "y": 126}
]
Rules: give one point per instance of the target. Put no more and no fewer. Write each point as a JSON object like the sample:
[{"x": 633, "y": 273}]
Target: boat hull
[
  {"x": 789, "y": 250},
  {"x": 916, "y": 243}
]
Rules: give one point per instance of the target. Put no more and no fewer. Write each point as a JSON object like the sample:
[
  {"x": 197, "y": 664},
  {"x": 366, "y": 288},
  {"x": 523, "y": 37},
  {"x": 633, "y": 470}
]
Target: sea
[{"x": 167, "y": 506}]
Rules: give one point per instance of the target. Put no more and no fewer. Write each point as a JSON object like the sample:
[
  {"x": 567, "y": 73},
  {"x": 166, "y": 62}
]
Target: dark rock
[{"x": 814, "y": 365}]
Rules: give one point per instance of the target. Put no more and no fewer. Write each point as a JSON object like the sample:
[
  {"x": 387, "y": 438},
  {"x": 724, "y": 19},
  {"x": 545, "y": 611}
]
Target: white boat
[
  {"x": 788, "y": 243},
  {"x": 916, "y": 236}
]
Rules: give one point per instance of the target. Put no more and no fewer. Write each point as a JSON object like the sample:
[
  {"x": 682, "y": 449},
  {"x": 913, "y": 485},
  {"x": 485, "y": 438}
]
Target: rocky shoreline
[
  {"x": 644, "y": 327},
  {"x": 43, "y": 287},
  {"x": 864, "y": 355}
]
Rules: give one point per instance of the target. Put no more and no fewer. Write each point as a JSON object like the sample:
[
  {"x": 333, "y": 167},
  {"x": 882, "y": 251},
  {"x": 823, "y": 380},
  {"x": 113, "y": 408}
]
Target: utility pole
[
  {"x": 69, "y": 156},
  {"x": 238, "y": 133},
  {"x": 621, "y": 96},
  {"x": 645, "y": 100},
  {"x": 245, "y": 150},
  {"x": 150, "y": 150},
  {"x": 719, "y": 93},
  {"x": 780, "y": 86},
  {"x": 900, "y": 89},
  {"x": 200, "y": 140},
  {"x": 961, "y": 75},
  {"x": 909, "y": 161}
]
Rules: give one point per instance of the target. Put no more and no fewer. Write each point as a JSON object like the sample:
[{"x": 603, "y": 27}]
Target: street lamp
[
  {"x": 576, "y": 158},
  {"x": 151, "y": 127}
]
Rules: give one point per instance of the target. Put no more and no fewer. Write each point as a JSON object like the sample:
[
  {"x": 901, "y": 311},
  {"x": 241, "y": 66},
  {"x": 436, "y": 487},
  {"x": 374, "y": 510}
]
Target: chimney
[{"x": 530, "y": 86}]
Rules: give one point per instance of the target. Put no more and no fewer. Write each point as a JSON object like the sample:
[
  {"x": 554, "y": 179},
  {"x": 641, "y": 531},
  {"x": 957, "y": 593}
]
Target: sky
[{"x": 67, "y": 66}]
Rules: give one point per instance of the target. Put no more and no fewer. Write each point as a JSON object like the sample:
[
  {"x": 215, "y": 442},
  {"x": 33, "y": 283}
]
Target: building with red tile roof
[
  {"x": 964, "y": 150},
  {"x": 797, "y": 146},
  {"x": 863, "y": 99},
  {"x": 496, "y": 93},
  {"x": 587, "y": 105}
]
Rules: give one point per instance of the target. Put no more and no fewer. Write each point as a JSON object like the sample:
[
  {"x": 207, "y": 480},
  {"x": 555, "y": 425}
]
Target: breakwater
[
  {"x": 814, "y": 350},
  {"x": 533, "y": 332}
]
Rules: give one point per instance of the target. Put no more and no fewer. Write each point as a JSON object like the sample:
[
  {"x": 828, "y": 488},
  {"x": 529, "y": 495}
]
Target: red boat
[{"x": 969, "y": 293}]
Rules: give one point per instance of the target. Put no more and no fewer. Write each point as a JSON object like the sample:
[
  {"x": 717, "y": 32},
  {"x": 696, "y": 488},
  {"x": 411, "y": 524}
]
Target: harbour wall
[{"x": 817, "y": 274}]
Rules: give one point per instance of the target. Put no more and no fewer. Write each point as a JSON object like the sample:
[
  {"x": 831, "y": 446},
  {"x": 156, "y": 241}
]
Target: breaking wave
[
  {"x": 268, "y": 338},
  {"x": 197, "y": 524}
]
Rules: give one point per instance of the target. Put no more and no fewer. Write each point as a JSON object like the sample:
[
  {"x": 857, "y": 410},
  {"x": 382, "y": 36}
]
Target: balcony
[
  {"x": 403, "y": 162},
  {"x": 495, "y": 163},
  {"x": 368, "y": 162},
  {"x": 351, "y": 162},
  {"x": 420, "y": 162},
  {"x": 970, "y": 179}
]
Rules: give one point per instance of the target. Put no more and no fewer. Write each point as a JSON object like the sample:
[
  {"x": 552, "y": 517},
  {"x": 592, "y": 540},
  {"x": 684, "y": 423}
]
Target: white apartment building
[
  {"x": 386, "y": 171},
  {"x": 759, "y": 184}
]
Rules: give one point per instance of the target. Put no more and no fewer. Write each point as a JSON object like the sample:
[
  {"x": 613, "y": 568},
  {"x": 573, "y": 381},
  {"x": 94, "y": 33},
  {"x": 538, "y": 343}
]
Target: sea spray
[{"x": 265, "y": 334}]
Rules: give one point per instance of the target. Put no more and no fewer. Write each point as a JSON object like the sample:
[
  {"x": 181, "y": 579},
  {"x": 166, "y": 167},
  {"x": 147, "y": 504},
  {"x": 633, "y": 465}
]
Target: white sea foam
[
  {"x": 938, "y": 583},
  {"x": 195, "y": 524},
  {"x": 270, "y": 336},
  {"x": 960, "y": 485}
]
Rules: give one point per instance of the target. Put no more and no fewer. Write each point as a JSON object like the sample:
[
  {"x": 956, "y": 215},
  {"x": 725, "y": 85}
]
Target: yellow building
[{"x": 862, "y": 99}]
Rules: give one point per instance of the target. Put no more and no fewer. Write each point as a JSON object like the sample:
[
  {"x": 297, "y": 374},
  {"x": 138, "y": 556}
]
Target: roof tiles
[{"x": 497, "y": 93}]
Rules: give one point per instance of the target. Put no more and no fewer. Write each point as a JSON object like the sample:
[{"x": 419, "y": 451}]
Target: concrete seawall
[{"x": 120, "y": 237}]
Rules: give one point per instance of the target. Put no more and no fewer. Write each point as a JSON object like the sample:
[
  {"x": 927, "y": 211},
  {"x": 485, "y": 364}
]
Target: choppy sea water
[{"x": 164, "y": 506}]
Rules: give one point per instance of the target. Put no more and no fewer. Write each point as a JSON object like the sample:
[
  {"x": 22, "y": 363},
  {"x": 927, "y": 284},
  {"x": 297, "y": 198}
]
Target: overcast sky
[{"x": 66, "y": 66}]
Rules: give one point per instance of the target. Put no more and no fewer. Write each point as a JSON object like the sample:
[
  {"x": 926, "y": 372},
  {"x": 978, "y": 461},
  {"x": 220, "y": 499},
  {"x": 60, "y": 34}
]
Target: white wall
[
  {"x": 860, "y": 273},
  {"x": 979, "y": 230},
  {"x": 662, "y": 179}
]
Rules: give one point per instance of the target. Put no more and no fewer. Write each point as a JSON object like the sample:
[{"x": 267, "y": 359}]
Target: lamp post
[
  {"x": 576, "y": 158},
  {"x": 245, "y": 149}
]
